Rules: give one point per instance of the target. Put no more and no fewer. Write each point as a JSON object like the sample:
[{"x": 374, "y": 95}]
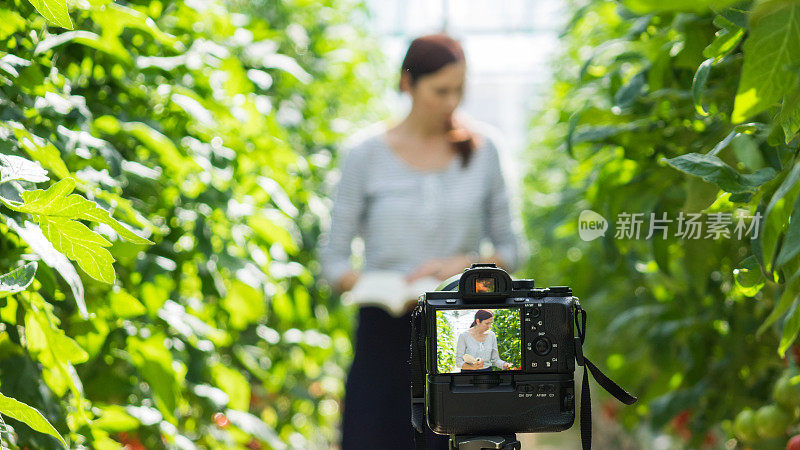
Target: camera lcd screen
[
  {"x": 484, "y": 284},
  {"x": 472, "y": 340}
]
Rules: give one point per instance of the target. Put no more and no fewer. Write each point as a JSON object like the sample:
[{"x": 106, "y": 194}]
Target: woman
[
  {"x": 421, "y": 195},
  {"x": 479, "y": 342}
]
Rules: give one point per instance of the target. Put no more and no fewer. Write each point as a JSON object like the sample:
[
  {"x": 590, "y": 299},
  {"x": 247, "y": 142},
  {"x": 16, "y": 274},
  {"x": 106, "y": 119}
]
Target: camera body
[{"x": 531, "y": 353}]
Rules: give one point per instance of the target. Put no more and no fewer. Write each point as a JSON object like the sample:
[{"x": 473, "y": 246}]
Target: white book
[{"x": 388, "y": 290}]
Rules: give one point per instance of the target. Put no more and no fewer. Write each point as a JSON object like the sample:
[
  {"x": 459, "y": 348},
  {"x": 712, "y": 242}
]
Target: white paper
[{"x": 388, "y": 290}]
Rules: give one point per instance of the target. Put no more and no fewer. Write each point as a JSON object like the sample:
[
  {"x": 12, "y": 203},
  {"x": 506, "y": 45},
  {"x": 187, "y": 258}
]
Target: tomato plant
[
  {"x": 666, "y": 109},
  {"x": 162, "y": 187}
]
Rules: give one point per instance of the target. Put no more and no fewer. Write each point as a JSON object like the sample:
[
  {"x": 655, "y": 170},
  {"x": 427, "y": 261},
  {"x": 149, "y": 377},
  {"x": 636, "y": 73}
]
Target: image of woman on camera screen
[
  {"x": 422, "y": 194},
  {"x": 476, "y": 348}
]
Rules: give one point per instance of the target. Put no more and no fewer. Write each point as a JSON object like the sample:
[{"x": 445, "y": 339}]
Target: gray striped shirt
[
  {"x": 486, "y": 350},
  {"x": 407, "y": 216}
]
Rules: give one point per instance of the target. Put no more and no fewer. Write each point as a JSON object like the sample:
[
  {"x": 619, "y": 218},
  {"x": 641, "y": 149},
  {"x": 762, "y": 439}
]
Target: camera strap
[
  {"x": 586, "y": 401},
  {"x": 418, "y": 377}
]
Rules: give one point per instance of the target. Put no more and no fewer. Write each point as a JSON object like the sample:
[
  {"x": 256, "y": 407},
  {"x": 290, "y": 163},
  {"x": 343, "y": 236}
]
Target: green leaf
[
  {"x": 791, "y": 243},
  {"x": 155, "y": 364},
  {"x": 777, "y": 205},
  {"x": 254, "y": 426},
  {"x": 10, "y": 23},
  {"x": 40, "y": 150},
  {"x": 125, "y": 305},
  {"x": 115, "y": 418},
  {"x": 790, "y": 327},
  {"x": 168, "y": 153},
  {"x": 234, "y": 384},
  {"x": 244, "y": 303},
  {"x": 772, "y": 46},
  {"x": 267, "y": 227},
  {"x": 43, "y": 336},
  {"x": 733, "y": 17},
  {"x": 55, "y": 11},
  {"x": 33, "y": 236},
  {"x": 18, "y": 279},
  {"x": 80, "y": 244},
  {"x": 649, "y": 6},
  {"x": 57, "y": 212},
  {"x": 628, "y": 93},
  {"x": 748, "y": 276},
  {"x": 116, "y": 17},
  {"x": 725, "y": 41},
  {"x": 723, "y": 143},
  {"x": 29, "y": 416},
  {"x": 109, "y": 44},
  {"x": 17, "y": 168},
  {"x": 789, "y": 115},
  {"x": 714, "y": 170},
  {"x": 699, "y": 84},
  {"x": 790, "y": 292},
  {"x": 745, "y": 147}
]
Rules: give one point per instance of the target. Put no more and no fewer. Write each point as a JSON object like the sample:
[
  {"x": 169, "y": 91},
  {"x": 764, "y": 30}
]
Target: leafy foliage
[
  {"x": 639, "y": 93},
  {"x": 28, "y": 415},
  {"x": 163, "y": 168},
  {"x": 507, "y": 328},
  {"x": 445, "y": 344}
]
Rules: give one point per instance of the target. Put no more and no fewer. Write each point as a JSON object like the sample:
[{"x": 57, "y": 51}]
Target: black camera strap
[
  {"x": 605, "y": 382},
  {"x": 418, "y": 377}
]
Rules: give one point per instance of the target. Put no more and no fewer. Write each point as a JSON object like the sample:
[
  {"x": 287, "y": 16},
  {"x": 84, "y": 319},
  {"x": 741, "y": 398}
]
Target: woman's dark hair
[
  {"x": 481, "y": 314},
  {"x": 427, "y": 54}
]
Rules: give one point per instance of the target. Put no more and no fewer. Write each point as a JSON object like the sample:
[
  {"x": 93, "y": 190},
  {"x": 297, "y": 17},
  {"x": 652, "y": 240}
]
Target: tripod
[{"x": 499, "y": 442}]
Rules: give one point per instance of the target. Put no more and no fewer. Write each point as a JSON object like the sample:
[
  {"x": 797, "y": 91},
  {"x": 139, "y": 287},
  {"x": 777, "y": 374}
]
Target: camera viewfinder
[{"x": 484, "y": 284}]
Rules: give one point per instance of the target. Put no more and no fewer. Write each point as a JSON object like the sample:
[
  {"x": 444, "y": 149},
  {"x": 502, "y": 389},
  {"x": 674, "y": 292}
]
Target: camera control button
[
  {"x": 542, "y": 346},
  {"x": 536, "y": 312}
]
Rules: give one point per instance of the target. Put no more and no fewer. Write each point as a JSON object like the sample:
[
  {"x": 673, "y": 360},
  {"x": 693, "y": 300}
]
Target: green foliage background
[
  {"x": 445, "y": 344},
  {"x": 670, "y": 107},
  {"x": 163, "y": 171},
  {"x": 506, "y": 327},
  {"x": 164, "y": 163}
]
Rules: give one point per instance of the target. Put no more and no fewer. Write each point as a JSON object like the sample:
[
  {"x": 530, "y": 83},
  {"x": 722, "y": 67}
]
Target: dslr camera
[{"x": 496, "y": 356}]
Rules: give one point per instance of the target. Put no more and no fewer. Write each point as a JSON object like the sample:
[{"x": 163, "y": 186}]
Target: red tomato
[
  {"x": 679, "y": 424},
  {"x": 610, "y": 409},
  {"x": 794, "y": 443},
  {"x": 254, "y": 445},
  {"x": 220, "y": 420},
  {"x": 130, "y": 442}
]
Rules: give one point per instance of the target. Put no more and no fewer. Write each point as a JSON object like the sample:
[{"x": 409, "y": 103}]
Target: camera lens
[{"x": 542, "y": 346}]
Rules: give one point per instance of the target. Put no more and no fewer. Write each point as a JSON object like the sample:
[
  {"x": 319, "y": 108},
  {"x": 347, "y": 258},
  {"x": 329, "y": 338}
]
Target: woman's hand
[
  {"x": 478, "y": 365},
  {"x": 441, "y": 268},
  {"x": 347, "y": 281}
]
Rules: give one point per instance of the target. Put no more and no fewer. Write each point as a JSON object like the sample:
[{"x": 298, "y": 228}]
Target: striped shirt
[
  {"x": 406, "y": 215},
  {"x": 486, "y": 350}
]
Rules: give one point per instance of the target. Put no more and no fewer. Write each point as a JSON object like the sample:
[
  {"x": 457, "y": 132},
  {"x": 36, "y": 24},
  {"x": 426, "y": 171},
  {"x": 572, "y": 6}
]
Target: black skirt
[{"x": 377, "y": 404}]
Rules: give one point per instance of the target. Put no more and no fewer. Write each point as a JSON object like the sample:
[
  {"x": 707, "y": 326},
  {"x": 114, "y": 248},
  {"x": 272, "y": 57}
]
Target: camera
[{"x": 520, "y": 377}]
